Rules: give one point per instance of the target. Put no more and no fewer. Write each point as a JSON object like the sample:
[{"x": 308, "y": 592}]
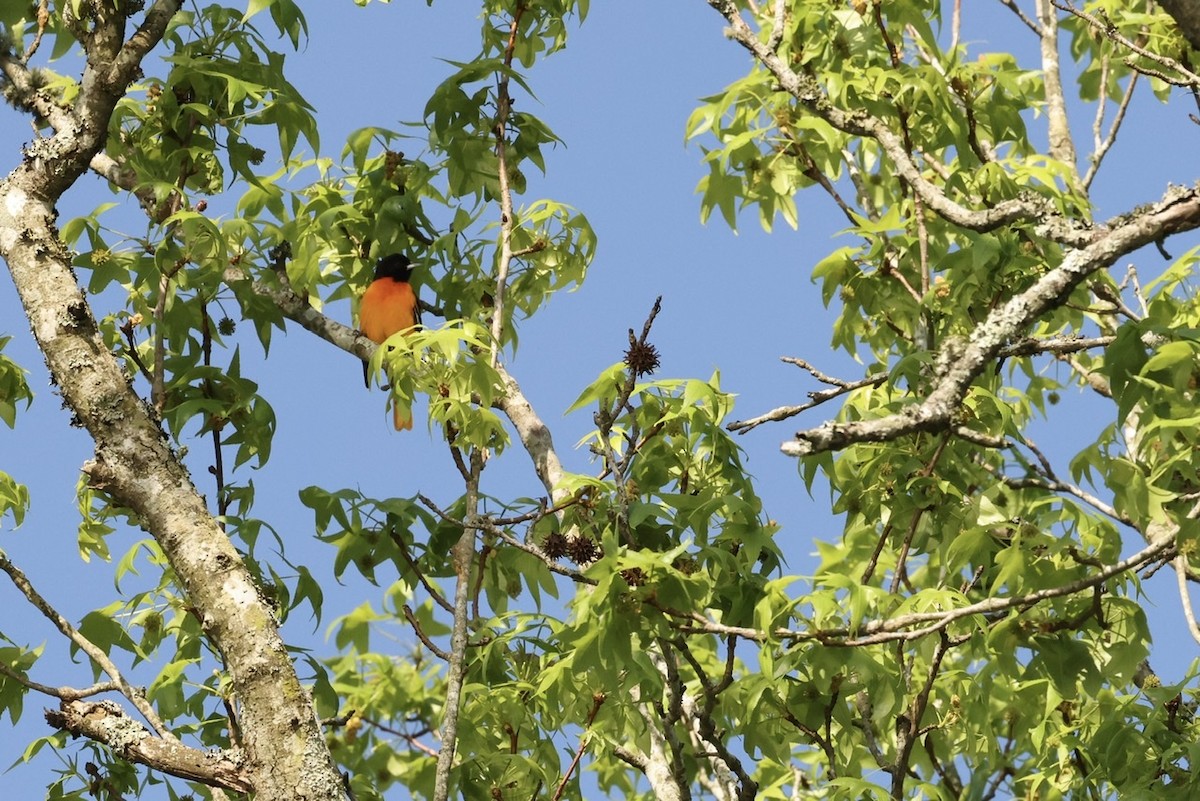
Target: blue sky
[{"x": 619, "y": 96}]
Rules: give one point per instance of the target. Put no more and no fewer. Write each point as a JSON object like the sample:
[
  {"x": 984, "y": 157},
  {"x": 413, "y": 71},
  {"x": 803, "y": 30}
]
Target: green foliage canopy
[{"x": 979, "y": 630}]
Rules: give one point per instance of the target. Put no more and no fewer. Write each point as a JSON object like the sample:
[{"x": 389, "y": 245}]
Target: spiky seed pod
[
  {"x": 641, "y": 357},
  {"x": 583, "y": 550},
  {"x": 556, "y": 545}
]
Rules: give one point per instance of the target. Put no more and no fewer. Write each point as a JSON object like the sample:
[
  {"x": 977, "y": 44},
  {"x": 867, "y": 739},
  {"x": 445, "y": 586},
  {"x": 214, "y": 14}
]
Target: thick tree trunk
[{"x": 285, "y": 756}]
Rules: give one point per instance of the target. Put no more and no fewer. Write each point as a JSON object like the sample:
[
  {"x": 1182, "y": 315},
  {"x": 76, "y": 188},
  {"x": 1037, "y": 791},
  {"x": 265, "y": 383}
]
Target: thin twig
[
  {"x": 537, "y": 514},
  {"x": 824, "y": 744},
  {"x": 609, "y": 411},
  {"x": 890, "y": 268},
  {"x": 797, "y": 150},
  {"x": 136, "y": 696},
  {"x": 433, "y": 591},
  {"x": 907, "y": 731},
  {"x": 216, "y": 423},
  {"x": 421, "y": 635},
  {"x": 1029, "y": 482},
  {"x": 1102, "y": 147},
  {"x": 157, "y": 388},
  {"x": 900, "y": 573},
  {"x": 63, "y": 693},
  {"x": 1052, "y": 483},
  {"x": 127, "y": 330},
  {"x": 410, "y": 738},
  {"x": 1029, "y": 23},
  {"x": 43, "y": 17},
  {"x": 597, "y": 702},
  {"x": 817, "y": 398},
  {"x": 873, "y": 560},
  {"x": 1185, "y": 76},
  {"x": 817, "y": 374}
]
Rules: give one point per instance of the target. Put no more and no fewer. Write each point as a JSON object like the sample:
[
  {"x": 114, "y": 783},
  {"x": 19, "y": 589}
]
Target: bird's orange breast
[{"x": 388, "y": 306}]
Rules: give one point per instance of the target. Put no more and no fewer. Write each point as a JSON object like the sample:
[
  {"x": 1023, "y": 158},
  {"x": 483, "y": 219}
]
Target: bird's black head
[{"x": 395, "y": 266}]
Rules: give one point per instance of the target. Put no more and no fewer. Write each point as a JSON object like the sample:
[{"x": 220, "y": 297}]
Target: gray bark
[{"x": 285, "y": 756}]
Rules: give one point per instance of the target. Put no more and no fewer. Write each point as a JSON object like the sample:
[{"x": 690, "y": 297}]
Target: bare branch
[
  {"x": 597, "y": 702},
  {"x": 1012, "y": 6},
  {"x": 62, "y": 693},
  {"x": 908, "y": 728},
  {"x": 105, "y": 722},
  {"x": 500, "y": 130},
  {"x": 1102, "y": 146},
  {"x": 1185, "y": 596},
  {"x": 43, "y": 16},
  {"x": 1059, "y": 346},
  {"x": 960, "y": 363},
  {"x": 462, "y": 555},
  {"x": 1062, "y": 146},
  {"x": 420, "y": 632},
  {"x": 915, "y": 625},
  {"x": 1054, "y": 485},
  {"x": 135, "y": 695},
  {"x": 806, "y": 90},
  {"x": 817, "y": 398},
  {"x": 1182, "y": 75}
]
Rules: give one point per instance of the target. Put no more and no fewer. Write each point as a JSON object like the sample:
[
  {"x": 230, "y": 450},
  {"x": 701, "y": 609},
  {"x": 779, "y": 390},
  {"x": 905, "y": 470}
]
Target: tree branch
[
  {"x": 1012, "y": 6},
  {"x": 1103, "y": 145},
  {"x": 960, "y": 363},
  {"x": 507, "y": 221},
  {"x": 1062, "y": 146},
  {"x": 915, "y": 625},
  {"x": 1185, "y": 597},
  {"x": 62, "y": 693},
  {"x": 1182, "y": 77},
  {"x": 840, "y": 387},
  {"x": 105, "y": 722},
  {"x": 908, "y": 728},
  {"x": 807, "y": 91},
  {"x": 136, "y": 696},
  {"x": 133, "y": 462},
  {"x": 462, "y": 554}
]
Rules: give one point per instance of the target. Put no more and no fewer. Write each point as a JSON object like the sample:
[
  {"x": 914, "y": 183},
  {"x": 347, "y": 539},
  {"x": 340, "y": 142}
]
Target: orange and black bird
[{"x": 389, "y": 306}]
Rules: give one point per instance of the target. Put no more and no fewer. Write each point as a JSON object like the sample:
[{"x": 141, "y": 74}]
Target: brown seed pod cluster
[{"x": 580, "y": 550}]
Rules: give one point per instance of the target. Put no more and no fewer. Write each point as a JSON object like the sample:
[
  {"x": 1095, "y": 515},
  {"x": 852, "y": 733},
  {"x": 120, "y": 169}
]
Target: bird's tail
[{"x": 401, "y": 417}]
